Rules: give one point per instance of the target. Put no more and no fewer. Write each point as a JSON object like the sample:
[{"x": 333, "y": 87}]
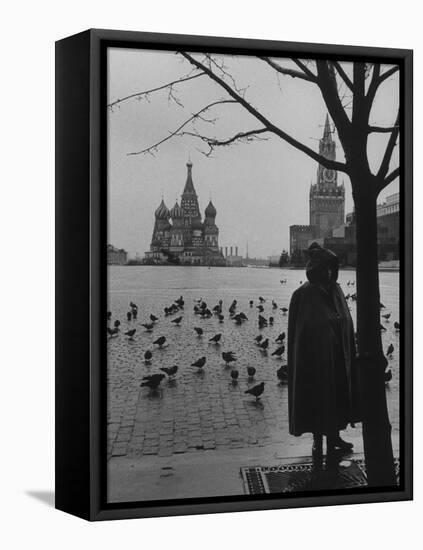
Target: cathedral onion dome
[
  {"x": 176, "y": 211},
  {"x": 162, "y": 212},
  {"x": 210, "y": 211}
]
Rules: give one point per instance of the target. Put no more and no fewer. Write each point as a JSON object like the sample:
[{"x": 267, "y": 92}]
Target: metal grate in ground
[{"x": 299, "y": 477}]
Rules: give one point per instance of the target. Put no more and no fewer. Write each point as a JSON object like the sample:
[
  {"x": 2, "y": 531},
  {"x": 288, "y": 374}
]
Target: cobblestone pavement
[{"x": 202, "y": 411}]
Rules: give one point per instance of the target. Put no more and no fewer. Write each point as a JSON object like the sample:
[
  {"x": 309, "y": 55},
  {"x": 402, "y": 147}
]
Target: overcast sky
[{"x": 259, "y": 189}]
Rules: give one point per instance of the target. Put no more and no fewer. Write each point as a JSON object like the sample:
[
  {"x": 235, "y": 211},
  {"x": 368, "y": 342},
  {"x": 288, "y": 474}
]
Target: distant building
[
  {"x": 274, "y": 260},
  {"x": 234, "y": 261},
  {"x": 256, "y": 262},
  {"x": 116, "y": 256},
  {"x": 299, "y": 238},
  {"x": 231, "y": 256},
  {"x": 180, "y": 236},
  {"x": 328, "y": 225}
]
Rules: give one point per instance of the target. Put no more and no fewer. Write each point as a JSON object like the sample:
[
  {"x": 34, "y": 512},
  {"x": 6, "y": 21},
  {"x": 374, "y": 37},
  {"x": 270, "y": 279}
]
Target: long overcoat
[{"x": 322, "y": 373}]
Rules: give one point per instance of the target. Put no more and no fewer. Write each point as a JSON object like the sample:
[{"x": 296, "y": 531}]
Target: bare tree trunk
[{"x": 371, "y": 360}]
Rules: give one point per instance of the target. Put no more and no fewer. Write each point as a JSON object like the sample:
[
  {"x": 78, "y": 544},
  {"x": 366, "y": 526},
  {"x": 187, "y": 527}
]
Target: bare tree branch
[
  {"x": 304, "y": 67},
  {"x": 193, "y": 117},
  {"x": 381, "y": 129},
  {"x": 384, "y": 166},
  {"x": 388, "y": 73},
  {"x": 290, "y": 72},
  {"x": 223, "y": 69},
  {"x": 250, "y": 135},
  {"x": 169, "y": 86},
  {"x": 390, "y": 178},
  {"x": 344, "y": 75},
  {"x": 327, "y": 83},
  {"x": 327, "y": 163},
  {"x": 373, "y": 86}
]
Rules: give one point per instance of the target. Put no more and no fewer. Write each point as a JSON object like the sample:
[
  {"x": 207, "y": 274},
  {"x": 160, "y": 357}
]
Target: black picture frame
[{"x": 81, "y": 273}]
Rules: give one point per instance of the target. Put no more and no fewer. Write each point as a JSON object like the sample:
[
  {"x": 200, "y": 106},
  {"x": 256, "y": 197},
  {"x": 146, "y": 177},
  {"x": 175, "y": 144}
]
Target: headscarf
[{"x": 320, "y": 261}]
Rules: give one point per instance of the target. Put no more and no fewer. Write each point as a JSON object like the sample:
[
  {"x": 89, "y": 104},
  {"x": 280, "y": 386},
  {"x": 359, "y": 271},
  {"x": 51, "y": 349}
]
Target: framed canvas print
[{"x": 234, "y": 274}]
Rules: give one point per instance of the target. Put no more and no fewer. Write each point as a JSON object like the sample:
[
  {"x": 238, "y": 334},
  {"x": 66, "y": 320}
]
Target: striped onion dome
[
  {"x": 176, "y": 211},
  {"x": 162, "y": 212}
]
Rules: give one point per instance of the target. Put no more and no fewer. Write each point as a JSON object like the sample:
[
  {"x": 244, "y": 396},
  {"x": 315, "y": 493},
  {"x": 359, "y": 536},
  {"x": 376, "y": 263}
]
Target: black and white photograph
[{"x": 254, "y": 271}]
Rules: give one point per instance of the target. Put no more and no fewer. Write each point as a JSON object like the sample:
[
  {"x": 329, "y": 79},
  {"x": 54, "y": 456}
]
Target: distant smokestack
[
  {"x": 231, "y": 250},
  {"x": 226, "y": 251},
  {"x": 236, "y": 251}
]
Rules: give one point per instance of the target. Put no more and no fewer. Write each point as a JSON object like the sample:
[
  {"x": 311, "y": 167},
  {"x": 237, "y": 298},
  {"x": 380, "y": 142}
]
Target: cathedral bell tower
[{"x": 327, "y": 198}]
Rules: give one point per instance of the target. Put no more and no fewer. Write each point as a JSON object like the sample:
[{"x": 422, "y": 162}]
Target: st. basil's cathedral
[{"x": 180, "y": 236}]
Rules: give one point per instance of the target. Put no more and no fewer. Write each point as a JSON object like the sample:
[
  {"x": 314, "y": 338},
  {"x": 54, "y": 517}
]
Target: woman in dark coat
[{"x": 322, "y": 376}]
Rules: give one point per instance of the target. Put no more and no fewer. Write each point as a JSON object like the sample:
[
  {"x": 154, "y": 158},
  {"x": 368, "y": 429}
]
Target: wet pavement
[{"x": 201, "y": 411}]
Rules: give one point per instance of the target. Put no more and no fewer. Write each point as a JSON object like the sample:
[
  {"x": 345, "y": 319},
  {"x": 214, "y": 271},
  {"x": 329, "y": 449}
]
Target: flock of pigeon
[{"x": 202, "y": 311}]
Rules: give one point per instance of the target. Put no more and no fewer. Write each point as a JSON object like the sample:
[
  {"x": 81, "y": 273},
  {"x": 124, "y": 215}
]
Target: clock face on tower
[{"x": 328, "y": 175}]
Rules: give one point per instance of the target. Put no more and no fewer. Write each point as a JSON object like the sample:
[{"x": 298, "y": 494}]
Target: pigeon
[
  {"x": 382, "y": 327},
  {"x": 260, "y": 308},
  {"x": 117, "y": 324},
  {"x": 396, "y": 325},
  {"x": 177, "y": 320},
  {"x": 280, "y": 338},
  {"x": 262, "y": 300},
  {"x": 271, "y": 320},
  {"x": 251, "y": 371},
  {"x": 134, "y": 313},
  {"x": 160, "y": 341},
  {"x": 228, "y": 357},
  {"x": 199, "y": 331},
  {"x": 282, "y": 373},
  {"x": 251, "y": 303},
  {"x": 234, "y": 375},
  {"x": 130, "y": 333},
  {"x": 390, "y": 350},
  {"x": 381, "y": 305},
  {"x": 129, "y": 316},
  {"x": 109, "y": 315},
  {"x": 216, "y": 339},
  {"x": 256, "y": 391},
  {"x": 264, "y": 345},
  {"x": 388, "y": 376},
  {"x": 170, "y": 371},
  {"x": 284, "y": 310},
  {"x": 386, "y": 316},
  {"x": 243, "y": 316},
  {"x": 258, "y": 338},
  {"x": 238, "y": 319},
  {"x": 274, "y": 305},
  {"x": 221, "y": 318},
  {"x": 132, "y": 305},
  {"x": 112, "y": 331},
  {"x": 279, "y": 352},
  {"x": 153, "y": 318},
  {"x": 180, "y": 302},
  {"x": 199, "y": 363},
  {"x": 148, "y": 356},
  {"x": 262, "y": 320},
  {"x": 148, "y": 326},
  {"x": 152, "y": 381}
]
